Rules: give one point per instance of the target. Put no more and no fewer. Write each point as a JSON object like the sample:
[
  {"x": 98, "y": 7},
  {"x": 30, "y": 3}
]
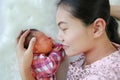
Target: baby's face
[{"x": 44, "y": 44}]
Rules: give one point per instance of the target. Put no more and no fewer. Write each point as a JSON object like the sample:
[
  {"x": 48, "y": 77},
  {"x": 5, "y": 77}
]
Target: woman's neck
[{"x": 100, "y": 50}]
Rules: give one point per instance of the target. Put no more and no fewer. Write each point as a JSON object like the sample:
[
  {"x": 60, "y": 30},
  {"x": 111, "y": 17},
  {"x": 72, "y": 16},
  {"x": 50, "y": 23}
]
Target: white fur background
[{"x": 22, "y": 14}]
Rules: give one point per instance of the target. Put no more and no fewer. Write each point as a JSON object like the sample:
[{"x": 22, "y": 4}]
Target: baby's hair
[{"x": 29, "y": 37}]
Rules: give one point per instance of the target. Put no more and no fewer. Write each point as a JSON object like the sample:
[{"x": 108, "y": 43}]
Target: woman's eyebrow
[{"x": 61, "y": 22}]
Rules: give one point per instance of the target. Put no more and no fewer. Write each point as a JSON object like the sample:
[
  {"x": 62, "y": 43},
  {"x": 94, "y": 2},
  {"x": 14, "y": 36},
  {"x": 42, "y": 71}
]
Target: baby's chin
[{"x": 41, "y": 51}]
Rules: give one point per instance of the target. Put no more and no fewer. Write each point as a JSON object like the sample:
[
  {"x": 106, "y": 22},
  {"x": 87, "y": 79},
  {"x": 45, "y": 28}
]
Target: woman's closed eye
[{"x": 64, "y": 29}]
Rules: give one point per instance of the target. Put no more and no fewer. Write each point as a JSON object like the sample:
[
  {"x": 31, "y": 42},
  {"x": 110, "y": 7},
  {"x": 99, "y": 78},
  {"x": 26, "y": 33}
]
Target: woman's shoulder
[
  {"x": 109, "y": 62},
  {"x": 115, "y": 56},
  {"x": 113, "y": 60},
  {"x": 108, "y": 67}
]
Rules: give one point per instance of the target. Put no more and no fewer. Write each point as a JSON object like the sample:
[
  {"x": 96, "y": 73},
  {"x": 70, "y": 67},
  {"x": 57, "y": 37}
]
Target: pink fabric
[
  {"x": 107, "y": 68},
  {"x": 44, "y": 67}
]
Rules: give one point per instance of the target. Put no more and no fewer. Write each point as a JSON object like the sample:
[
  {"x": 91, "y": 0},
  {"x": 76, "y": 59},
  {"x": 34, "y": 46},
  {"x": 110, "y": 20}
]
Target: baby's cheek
[
  {"x": 36, "y": 49},
  {"x": 44, "y": 47}
]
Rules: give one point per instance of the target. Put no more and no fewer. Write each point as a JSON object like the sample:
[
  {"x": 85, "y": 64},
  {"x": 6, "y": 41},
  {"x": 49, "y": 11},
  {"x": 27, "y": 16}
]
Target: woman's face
[{"x": 73, "y": 34}]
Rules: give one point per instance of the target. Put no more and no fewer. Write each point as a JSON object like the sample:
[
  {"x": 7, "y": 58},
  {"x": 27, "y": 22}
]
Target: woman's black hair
[
  {"x": 89, "y": 10},
  {"x": 112, "y": 30}
]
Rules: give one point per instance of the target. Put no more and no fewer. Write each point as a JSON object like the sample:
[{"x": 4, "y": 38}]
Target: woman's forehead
[{"x": 63, "y": 15}]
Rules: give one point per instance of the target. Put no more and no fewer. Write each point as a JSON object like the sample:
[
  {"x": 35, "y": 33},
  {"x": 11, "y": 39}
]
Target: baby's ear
[
  {"x": 53, "y": 41},
  {"x": 99, "y": 27}
]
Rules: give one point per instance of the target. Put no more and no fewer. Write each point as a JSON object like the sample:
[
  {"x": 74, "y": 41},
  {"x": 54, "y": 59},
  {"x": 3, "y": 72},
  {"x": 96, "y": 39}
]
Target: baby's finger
[
  {"x": 22, "y": 38},
  {"x": 58, "y": 48}
]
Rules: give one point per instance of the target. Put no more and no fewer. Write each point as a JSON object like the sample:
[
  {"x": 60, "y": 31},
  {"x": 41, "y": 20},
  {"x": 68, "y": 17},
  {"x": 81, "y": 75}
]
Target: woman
[{"x": 85, "y": 26}]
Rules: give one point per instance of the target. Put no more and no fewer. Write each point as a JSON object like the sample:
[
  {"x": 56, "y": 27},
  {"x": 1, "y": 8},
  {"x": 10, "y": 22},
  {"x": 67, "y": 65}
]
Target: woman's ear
[{"x": 99, "y": 27}]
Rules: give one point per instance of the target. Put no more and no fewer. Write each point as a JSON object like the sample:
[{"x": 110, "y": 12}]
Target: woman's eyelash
[{"x": 64, "y": 29}]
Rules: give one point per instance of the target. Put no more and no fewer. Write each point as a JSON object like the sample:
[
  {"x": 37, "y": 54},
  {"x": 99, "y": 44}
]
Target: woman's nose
[{"x": 60, "y": 36}]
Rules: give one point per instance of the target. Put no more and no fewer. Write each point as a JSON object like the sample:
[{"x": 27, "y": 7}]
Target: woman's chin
[{"x": 68, "y": 53}]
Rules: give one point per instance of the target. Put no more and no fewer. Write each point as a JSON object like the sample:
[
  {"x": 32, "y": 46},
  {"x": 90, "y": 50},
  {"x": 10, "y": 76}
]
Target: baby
[{"x": 47, "y": 55}]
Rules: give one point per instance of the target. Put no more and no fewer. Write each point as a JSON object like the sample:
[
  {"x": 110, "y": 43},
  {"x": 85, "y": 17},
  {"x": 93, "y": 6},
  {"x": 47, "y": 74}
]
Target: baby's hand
[{"x": 58, "y": 47}]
